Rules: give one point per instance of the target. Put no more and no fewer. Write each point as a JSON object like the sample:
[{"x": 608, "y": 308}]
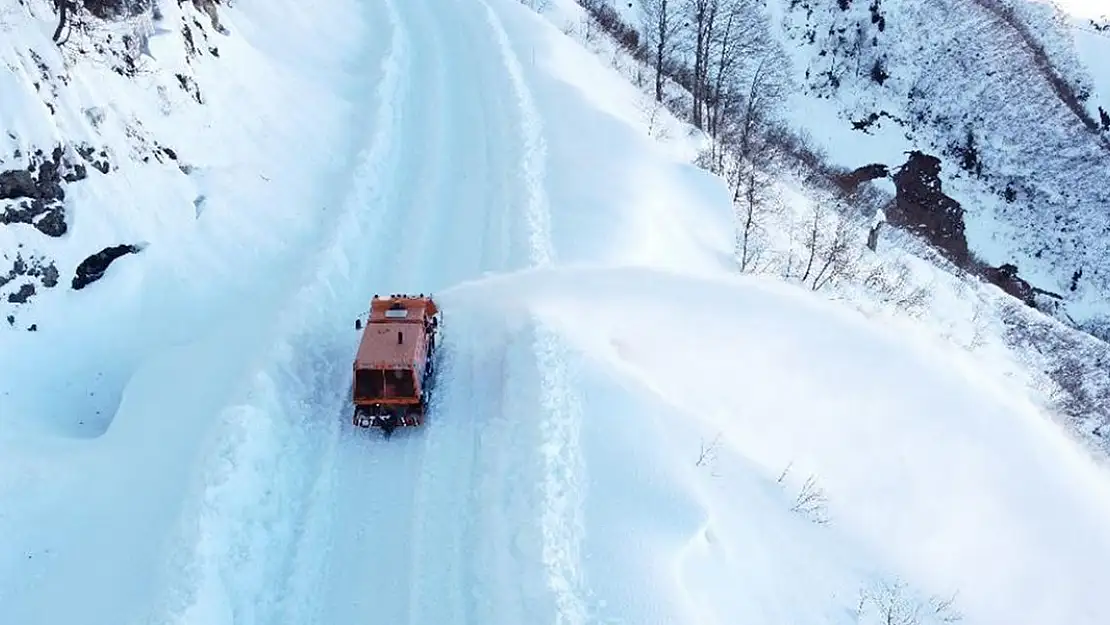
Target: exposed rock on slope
[
  {"x": 92, "y": 268},
  {"x": 995, "y": 90},
  {"x": 35, "y": 194},
  {"x": 922, "y": 207},
  {"x": 61, "y": 151}
]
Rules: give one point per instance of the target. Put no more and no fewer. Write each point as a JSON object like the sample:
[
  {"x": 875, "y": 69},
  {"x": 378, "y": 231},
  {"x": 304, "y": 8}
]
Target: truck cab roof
[{"x": 395, "y": 337}]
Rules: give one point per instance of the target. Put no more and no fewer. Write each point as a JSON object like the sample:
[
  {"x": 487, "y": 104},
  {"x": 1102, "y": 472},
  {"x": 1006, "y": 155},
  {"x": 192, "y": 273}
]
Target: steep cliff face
[{"x": 1003, "y": 94}]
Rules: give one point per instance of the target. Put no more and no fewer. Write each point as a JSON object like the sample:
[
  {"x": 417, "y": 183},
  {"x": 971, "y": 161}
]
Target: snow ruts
[
  {"x": 310, "y": 521},
  {"x": 257, "y": 554},
  {"x": 563, "y": 482}
]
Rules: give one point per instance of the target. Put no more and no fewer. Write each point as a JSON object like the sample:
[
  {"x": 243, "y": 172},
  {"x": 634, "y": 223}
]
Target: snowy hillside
[
  {"x": 121, "y": 136},
  {"x": 627, "y": 428},
  {"x": 1000, "y": 93},
  {"x": 1013, "y": 100},
  {"x": 192, "y": 151},
  {"x": 868, "y": 209},
  {"x": 910, "y": 452}
]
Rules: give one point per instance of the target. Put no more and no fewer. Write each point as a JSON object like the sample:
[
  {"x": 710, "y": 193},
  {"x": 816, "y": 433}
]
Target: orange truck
[{"x": 395, "y": 362}]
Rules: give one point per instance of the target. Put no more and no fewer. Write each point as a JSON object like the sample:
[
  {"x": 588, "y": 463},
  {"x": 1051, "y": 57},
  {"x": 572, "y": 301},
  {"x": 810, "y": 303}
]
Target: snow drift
[{"x": 958, "y": 484}]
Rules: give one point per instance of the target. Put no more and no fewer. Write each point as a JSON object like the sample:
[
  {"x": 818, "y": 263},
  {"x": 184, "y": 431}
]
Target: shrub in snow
[{"x": 892, "y": 603}]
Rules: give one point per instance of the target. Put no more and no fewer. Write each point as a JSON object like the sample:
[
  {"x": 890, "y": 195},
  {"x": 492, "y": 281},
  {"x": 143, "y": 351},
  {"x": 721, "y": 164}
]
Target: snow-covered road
[
  {"x": 450, "y": 186},
  {"x": 615, "y": 406},
  {"x": 460, "y": 192}
]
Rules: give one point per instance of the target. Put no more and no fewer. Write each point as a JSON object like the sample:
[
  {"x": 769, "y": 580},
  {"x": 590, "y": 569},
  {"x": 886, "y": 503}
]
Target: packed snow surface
[
  {"x": 621, "y": 428},
  {"x": 1087, "y": 9}
]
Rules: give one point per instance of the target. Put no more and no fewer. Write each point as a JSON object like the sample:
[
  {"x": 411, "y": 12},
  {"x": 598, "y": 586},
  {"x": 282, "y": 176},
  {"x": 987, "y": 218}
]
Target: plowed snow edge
[{"x": 563, "y": 483}]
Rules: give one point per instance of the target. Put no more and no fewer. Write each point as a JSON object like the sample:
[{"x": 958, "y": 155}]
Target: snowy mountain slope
[
  {"x": 137, "y": 107},
  {"x": 269, "y": 108},
  {"x": 568, "y": 472},
  {"x": 141, "y": 364},
  {"x": 810, "y": 201},
  {"x": 1065, "y": 366},
  {"x": 999, "y": 92}
]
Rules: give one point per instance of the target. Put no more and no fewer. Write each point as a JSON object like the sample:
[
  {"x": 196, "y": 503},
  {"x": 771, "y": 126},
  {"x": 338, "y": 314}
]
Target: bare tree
[
  {"x": 811, "y": 501},
  {"x": 837, "y": 256},
  {"x": 764, "y": 90},
  {"x": 740, "y": 36},
  {"x": 740, "y": 153},
  {"x": 702, "y": 15},
  {"x": 893, "y": 284},
  {"x": 64, "y": 8},
  {"x": 726, "y": 60},
  {"x": 662, "y": 24},
  {"x": 811, "y": 242},
  {"x": 750, "y": 197}
]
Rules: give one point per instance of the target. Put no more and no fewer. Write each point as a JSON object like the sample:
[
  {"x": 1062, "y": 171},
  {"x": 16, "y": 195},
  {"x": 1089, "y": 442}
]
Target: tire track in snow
[
  {"x": 397, "y": 559},
  {"x": 306, "y": 583},
  {"x": 364, "y": 245},
  {"x": 563, "y": 487},
  {"x": 273, "y": 449},
  {"x": 535, "y": 147},
  {"x": 436, "y": 573},
  {"x": 455, "y": 491}
]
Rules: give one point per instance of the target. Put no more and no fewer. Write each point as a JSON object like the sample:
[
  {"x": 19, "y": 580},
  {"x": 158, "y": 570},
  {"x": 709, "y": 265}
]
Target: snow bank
[
  {"x": 624, "y": 195},
  {"x": 107, "y": 410},
  {"x": 936, "y": 472},
  {"x": 233, "y": 204}
]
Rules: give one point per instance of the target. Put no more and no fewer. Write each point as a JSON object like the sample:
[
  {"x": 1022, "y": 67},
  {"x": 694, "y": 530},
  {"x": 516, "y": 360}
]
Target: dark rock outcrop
[
  {"x": 35, "y": 268},
  {"x": 47, "y": 217},
  {"x": 1006, "y": 278},
  {"x": 23, "y": 294},
  {"x": 116, "y": 9},
  {"x": 921, "y": 207},
  {"x": 92, "y": 268},
  {"x": 851, "y": 181},
  {"x": 17, "y": 183},
  {"x": 20, "y": 281},
  {"x": 35, "y": 195}
]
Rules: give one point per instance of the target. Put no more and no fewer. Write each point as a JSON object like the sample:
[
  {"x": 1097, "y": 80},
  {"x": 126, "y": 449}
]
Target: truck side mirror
[{"x": 358, "y": 324}]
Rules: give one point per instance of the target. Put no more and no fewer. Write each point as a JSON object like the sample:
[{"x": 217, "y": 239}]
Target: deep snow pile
[{"x": 699, "y": 393}]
